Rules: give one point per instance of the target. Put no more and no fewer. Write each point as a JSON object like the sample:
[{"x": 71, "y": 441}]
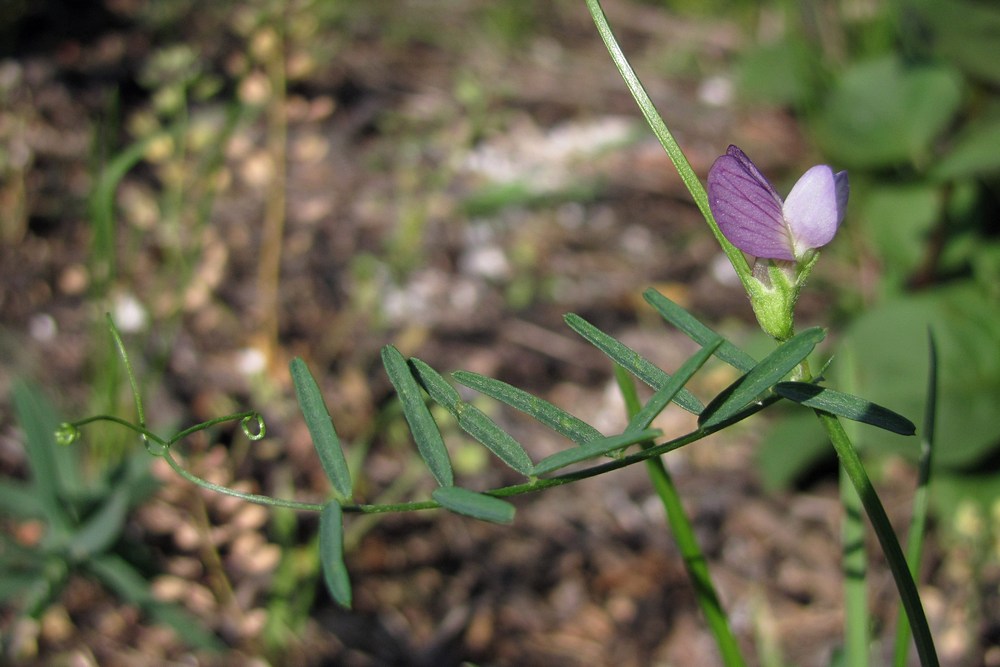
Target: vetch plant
[
  {"x": 783, "y": 235},
  {"x": 746, "y": 215}
]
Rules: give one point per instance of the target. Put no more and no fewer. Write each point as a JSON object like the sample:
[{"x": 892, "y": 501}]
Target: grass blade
[
  {"x": 921, "y": 501},
  {"x": 631, "y": 361},
  {"x": 762, "y": 377},
  {"x": 425, "y": 431},
  {"x": 477, "y": 505},
  {"x": 321, "y": 429},
  {"x": 555, "y": 418},
  {"x": 697, "y": 331},
  {"x": 593, "y": 449},
  {"x": 472, "y": 420},
  {"x": 845, "y": 405}
]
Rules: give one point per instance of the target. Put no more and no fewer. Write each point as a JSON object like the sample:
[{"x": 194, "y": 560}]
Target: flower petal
[
  {"x": 815, "y": 207},
  {"x": 747, "y": 208}
]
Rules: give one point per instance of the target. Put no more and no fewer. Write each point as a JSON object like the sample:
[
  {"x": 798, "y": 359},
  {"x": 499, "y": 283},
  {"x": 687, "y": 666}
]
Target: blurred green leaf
[
  {"x": 593, "y": 449},
  {"x": 103, "y": 528},
  {"x": 786, "y": 72},
  {"x": 331, "y": 553},
  {"x": 883, "y": 112},
  {"x": 975, "y": 151},
  {"x": 477, "y": 505},
  {"x": 884, "y": 357},
  {"x": 793, "y": 447},
  {"x": 321, "y": 429},
  {"x": 899, "y": 220},
  {"x": 118, "y": 575},
  {"x": 763, "y": 376},
  {"x": 555, "y": 418},
  {"x": 845, "y": 405},
  {"x": 425, "y": 431},
  {"x": 631, "y": 361},
  {"x": 963, "y": 31}
]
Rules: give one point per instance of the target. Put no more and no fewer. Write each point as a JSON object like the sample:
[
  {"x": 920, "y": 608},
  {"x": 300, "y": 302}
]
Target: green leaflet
[
  {"x": 697, "y": 331},
  {"x": 472, "y": 420},
  {"x": 555, "y": 418},
  {"x": 762, "y": 377},
  {"x": 476, "y": 505},
  {"x": 331, "y": 553},
  {"x": 631, "y": 361},
  {"x": 321, "y": 429},
  {"x": 425, "y": 431},
  {"x": 845, "y": 405}
]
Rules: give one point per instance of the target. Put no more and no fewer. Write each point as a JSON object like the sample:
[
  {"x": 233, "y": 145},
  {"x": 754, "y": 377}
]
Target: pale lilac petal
[
  {"x": 815, "y": 207},
  {"x": 747, "y": 208}
]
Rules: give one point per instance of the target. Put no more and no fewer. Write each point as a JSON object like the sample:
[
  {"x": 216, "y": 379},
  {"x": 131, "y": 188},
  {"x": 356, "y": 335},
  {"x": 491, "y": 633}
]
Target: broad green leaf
[
  {"x": 54, "y": 469},
  {"x": 321, "y": 429},
  {"x": 477, "y": 505},
  {"x": 845, "y": 405},
  {"x": 555, "y": 418},
  {"x": 659, "y": 400},
  {"x": 965, "y": 32},
  {"x": 883, "y": 356},
  {"x": 631, "y": 361},
  {"x": 761, "y": 378},
  {"x": 974, "y": 152},
  {"x": 795, "y": 447},
  {"x": 783, "y": 73},
  {"x": 899, "y": 219},
  {"x": 886, "y": 112},
  {"x": 101, "y": 529},
  {"x": 19, "y": 499},
  {"x": 593, "y": 449},
  {"x": 472, "y": 420},
  {"x": 331, "y": 553},
  {"x": 425, "y": 431},
  {"x": 698, "y": 332}
]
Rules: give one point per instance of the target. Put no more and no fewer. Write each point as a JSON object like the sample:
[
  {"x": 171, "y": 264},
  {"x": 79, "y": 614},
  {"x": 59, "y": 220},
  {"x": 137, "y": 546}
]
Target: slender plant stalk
[
  {"x": 854, "y": 560},
  {"x": 674, "y": 152},
  {"x": 918, "y": 522},
  {"x": 908, "y": 594},
  {"x": 680, "y": 525}
]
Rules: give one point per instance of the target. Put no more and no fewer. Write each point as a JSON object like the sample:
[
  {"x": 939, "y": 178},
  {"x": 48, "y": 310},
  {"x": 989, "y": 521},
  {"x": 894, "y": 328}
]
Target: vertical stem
[
  {"x": 908, "y": 594},
  {"x": 683, "y": 532},
  {"x": 855, "y": 563}
]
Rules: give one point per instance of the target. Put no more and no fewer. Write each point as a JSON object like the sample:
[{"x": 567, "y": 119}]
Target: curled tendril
[
  {"x": 261, "y": 427},
  {"x": 67, "y": 434}
]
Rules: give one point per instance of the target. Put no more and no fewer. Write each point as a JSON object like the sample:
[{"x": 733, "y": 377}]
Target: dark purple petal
[
  {"x": 815, "y": 207},
  {"x": 747, "y": 208}
]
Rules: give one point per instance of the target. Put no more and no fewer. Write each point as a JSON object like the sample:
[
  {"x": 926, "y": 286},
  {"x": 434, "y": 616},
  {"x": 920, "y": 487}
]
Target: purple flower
[{"x": 755, "y": 219}]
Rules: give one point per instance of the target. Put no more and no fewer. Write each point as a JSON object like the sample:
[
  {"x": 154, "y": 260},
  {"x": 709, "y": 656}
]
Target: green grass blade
[
  {"x": 321, "y": 429},
  {"x": 845, "y": 405},
  {"x": 631, "y": 361},
  {"x": 762, "y": 377},
  {"x": 118, "y": 575},
  {"x": 921, "y": 501},
  {"x": 697, "y": 331},
  {"x": 103, "y": 528},
  {"x": 593, "y": 449},
  {"x": 472, "y": 420},
  {"x": 551, "y": 416},
  {"x": 425, "y": 431},
  {"x": 658, "y": 401},
  {"x": 331, "y": 553},
  {"x": 477, "y": 505}
]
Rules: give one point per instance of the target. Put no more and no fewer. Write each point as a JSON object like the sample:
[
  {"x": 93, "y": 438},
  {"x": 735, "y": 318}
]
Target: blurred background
[{"x": 238, "y": 183}]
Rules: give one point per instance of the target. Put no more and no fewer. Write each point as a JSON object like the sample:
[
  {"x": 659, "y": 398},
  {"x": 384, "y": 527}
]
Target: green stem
[
  {"x": 908, "y": 594},
  {"x": 854, "y": 561},
  {"x": 683, "y": 532},
  {"x": 674, "y": 152}
]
